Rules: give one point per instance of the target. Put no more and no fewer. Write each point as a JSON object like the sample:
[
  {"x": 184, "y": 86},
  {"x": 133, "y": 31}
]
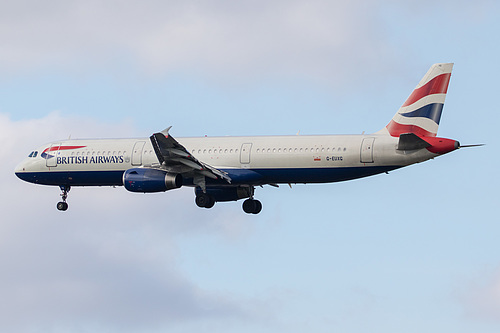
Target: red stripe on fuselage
[
  {"x": 56, "y": 148},
  {"x": 438, "y": 85},
  {"x": 396, "y": 129}
]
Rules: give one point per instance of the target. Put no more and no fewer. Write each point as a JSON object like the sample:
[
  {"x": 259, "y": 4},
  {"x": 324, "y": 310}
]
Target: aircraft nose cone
[
  {"x": 22, "y": 173},
  {"x": 19, "y": 168}
]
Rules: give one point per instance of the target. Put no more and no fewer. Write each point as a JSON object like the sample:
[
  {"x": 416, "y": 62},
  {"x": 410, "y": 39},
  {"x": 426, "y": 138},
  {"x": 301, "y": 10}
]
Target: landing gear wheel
[
  {"x": 62, "y": 206},
  {"x": 204, "y": 200},
  {"x": 251, "y": 206},
  {"x": 258, "y": 207}
]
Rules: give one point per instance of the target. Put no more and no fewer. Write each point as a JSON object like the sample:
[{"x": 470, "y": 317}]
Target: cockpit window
[
  {"x": 31, "y": 154},
  {"x": 35, "y": 153}
]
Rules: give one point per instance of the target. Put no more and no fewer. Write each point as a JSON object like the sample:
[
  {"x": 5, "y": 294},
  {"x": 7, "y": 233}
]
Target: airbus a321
[{"x": 229, "y": 168}]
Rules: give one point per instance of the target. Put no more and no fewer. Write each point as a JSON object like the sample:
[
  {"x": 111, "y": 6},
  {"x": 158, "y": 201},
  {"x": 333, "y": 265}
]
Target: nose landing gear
[{"x": 63, "y": 205}]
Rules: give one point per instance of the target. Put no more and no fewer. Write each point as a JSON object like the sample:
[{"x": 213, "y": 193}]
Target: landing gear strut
[
  {"x": 252, "y": 206},
  {"x": 63, "y": 205}
]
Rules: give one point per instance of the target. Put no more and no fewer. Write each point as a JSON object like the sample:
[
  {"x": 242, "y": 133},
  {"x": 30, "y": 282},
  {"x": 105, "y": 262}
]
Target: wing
[{"x": 175, "y": 158}]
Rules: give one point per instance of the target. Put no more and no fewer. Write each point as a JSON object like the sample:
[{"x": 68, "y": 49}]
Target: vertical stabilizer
[{"x": 421, "y": 112}]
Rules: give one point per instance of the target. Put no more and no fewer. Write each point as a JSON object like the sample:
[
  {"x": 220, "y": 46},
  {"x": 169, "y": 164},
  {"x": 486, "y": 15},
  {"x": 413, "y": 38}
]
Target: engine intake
[{"x": 150, "y": 180}]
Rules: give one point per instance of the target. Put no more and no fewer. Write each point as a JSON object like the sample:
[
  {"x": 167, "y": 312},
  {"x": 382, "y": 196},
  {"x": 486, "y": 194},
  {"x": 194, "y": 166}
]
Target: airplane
[{"x": 230, "y": 168}]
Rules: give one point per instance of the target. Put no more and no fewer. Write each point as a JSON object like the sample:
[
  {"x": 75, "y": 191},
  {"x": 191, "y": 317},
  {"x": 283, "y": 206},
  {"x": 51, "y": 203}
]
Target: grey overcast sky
[{"x": 416, "y": 250}]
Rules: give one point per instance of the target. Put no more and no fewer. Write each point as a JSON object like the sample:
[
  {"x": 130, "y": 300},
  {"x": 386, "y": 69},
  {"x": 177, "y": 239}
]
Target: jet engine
[{"x": 150, "y": 180}]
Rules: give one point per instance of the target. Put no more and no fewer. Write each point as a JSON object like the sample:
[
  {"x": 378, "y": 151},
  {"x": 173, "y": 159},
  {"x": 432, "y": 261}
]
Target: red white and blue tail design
[{"x": 421, "y": 112}]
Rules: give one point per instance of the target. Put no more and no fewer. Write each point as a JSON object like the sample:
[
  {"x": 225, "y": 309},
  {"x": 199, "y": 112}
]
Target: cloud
[
  {"x": 111, "y": 260},
  {"x": 481, "y": 297},
  {"x": 317, "y": 38}
]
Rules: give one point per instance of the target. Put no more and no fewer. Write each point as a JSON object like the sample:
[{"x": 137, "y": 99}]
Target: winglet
[{"x": 165, "y": 131}]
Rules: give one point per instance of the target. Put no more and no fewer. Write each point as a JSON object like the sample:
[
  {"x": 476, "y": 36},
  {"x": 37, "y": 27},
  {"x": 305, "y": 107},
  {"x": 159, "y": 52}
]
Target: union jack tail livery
[{"x": 421, "y": 112}]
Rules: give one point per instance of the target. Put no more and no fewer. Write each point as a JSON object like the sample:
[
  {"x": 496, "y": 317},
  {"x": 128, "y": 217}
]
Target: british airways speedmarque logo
[{"x": 45, "y": 154}]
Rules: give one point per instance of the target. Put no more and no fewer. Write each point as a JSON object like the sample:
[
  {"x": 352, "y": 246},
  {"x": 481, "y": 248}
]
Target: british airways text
[{"x": 89, "y": 160}]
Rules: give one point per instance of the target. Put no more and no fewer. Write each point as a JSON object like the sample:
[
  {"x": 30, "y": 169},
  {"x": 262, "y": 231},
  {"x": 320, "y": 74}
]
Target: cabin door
[
  {"x": 367, "y": 150},
  {"x": 51, "y": 155}
]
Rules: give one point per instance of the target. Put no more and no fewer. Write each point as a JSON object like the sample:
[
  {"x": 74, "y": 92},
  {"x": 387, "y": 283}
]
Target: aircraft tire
[
  {"x": 251, "y": 206},
  {"x": 204, "y": 201},
  {"x": 62, "y": 206},
  {"x": 258, "y": 207}
]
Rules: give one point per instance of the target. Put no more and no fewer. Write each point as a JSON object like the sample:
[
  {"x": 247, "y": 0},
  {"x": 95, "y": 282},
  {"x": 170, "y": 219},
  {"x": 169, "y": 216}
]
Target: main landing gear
[
  {"x": 63, "y": 205},
  {"x": 252, "y": 206},
  {"x": 204, "y": 200},
  {"x": 208, "y": 200}
]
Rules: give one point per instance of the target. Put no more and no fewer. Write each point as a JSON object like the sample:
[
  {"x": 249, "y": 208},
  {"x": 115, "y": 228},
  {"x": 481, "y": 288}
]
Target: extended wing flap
[{"x": 171, "y": 154}]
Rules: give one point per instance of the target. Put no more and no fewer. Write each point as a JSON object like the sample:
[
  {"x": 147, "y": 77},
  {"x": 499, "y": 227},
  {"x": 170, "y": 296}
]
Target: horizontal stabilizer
[{"x": 411, "y": 141}]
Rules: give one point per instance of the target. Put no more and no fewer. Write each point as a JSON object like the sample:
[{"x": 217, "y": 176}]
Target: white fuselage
[{"x": 248, "y": 160}]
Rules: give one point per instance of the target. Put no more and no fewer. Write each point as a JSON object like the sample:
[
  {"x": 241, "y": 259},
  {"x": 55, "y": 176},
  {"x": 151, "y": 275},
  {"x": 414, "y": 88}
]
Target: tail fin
[{"x": 421, "y": 112}]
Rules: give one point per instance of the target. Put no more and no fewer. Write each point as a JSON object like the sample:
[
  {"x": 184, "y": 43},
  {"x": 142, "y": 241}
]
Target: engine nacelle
[{"x": 150, "y": 180}]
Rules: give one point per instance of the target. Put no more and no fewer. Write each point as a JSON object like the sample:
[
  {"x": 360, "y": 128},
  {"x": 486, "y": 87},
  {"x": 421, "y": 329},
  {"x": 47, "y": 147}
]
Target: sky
[{"x": 416, "y": 250}]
